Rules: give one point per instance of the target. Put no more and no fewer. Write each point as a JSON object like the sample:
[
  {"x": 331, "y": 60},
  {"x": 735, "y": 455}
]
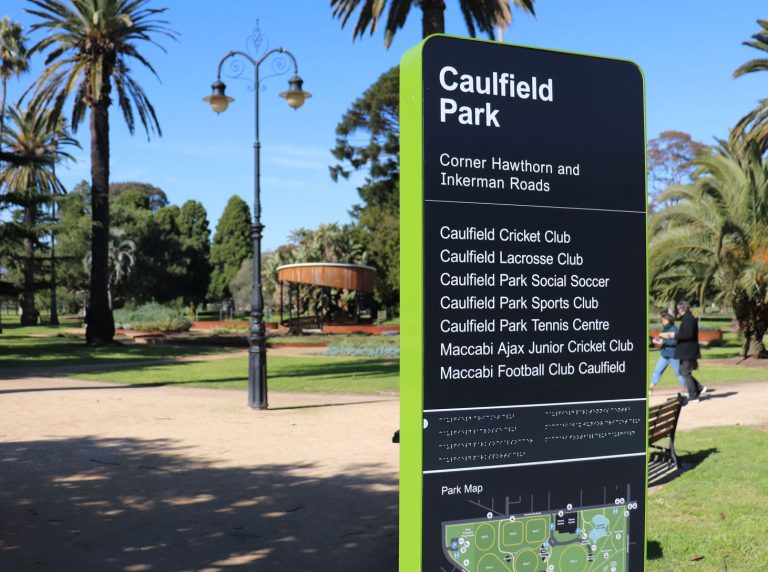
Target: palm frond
[
  {"x": 112, "y": 30},
  {"x": 715, "y": 237},
  {"x": 754, "y": 125}
]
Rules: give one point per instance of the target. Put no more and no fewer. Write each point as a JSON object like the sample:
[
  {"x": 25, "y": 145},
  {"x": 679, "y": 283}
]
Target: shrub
[
  {"x": 152, "y": 316},
  {"x": 363, "y": 350}
]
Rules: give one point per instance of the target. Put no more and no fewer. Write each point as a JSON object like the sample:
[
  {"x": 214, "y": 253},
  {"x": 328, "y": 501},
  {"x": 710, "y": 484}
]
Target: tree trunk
[
  {"x": 744, "y": 351},
  {"x": 754, "y": 348},
  {"x": 432, "y": 17},
  {"x": 100, "y": 328},
  {"x": 29, "y": 313}
]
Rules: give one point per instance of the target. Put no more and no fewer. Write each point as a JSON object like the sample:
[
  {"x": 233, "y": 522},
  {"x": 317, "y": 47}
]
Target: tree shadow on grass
[
  {"x": 288, "y": 371},
  {"x": 139, "y": 505},
  {"x": 67, "y": 352},
  {"x": 114, "y": 386},
  {"x": 339, "y": 368},
  {"x": 655, "y": 550}
]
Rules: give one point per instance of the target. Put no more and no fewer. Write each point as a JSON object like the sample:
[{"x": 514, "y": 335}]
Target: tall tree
[
  {"x": 479, "y": 15},
  {"x": 713, "y": 234},
  {"x": 92, "y": 43},
  {"x": 29, "y": 184},
  {"x": 368, "y": 138},
  {"x": 122, "y": 258},
  {"x": 13, "y": 58},
  {"x": 73, "y": 242},
  {"x": 169, "y": 263},
  {"x": 231, "y": 246},
  {"x": 670, "y": 162},
  {"x": 195, "y": 241},
  {"x": 150, "y": 278},
  {"x": 376, "y": 114},
  {"x": 753, "y": 127},
  {"x": 156, "y": 197}
]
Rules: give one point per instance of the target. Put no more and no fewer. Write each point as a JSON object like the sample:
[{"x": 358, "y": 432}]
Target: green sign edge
[
  {"x": 411, "y": 305},
  {"x": 412, "y": 286}
]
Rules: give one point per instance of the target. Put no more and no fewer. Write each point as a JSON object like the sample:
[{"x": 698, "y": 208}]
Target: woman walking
[{"x": 667, "y": 342}]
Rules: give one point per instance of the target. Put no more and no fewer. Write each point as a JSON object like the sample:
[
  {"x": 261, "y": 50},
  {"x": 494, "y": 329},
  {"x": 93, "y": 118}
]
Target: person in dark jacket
[
  {"x": 667, "y": 357},
  {"x": 687, "y": 350}
]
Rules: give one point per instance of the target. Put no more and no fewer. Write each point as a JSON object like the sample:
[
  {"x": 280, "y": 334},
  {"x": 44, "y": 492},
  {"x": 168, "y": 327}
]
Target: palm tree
[
  {"x": 713, "y": 234},
  {"x": 13, "y": 58},
  {"x": 754, "y": 125},
  {"x": 122, "y": 259},
  {"x": 30, "y": 181},
  {"x": 92, "y": 43},
  {"x": 479, "y": 15}
]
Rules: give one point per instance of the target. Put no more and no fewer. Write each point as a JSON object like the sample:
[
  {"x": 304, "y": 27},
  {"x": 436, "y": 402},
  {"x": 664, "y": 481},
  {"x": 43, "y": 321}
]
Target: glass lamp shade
[
  {"x": 295, "y": 95},
  {"x": 218, "y": 99}
]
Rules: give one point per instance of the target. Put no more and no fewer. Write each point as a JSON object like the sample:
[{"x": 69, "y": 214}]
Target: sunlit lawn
[
  {"x": 20, "y": 347},
  {"x": 710, "y": 374},
  {"x": 310, "y": 374},
  {"x": 712, "y": 517},
  {"x": 341, "y": 374},
  {"x": 24, "y": 347}
]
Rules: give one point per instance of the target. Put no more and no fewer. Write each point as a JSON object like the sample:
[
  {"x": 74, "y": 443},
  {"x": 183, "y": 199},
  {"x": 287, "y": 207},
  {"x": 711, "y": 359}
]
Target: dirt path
[
  {"x": 96, "y": 476},
  {"x": 102, "y": 477},
  {"x": 745, "y": 404}
]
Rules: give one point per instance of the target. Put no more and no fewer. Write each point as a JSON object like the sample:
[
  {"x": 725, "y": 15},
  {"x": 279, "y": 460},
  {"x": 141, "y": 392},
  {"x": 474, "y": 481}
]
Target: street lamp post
[{"x": 219, "y": 101}]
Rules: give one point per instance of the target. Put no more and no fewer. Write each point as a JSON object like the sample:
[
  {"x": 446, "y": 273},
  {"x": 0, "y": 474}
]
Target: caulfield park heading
[{"x": 497, "y": 85}]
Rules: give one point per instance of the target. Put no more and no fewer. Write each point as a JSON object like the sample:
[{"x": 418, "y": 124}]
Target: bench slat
[
  {"x": 662, "y": 423},
  {"x": 666, "y": 426},
  {"x": 669, "y": 414}
]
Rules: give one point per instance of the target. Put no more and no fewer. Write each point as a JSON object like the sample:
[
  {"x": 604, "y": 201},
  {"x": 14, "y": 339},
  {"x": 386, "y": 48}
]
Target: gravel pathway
[{"x": 95, "y": 476}]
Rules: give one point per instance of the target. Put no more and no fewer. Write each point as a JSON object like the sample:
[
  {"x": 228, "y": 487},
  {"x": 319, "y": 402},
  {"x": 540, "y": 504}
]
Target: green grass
[
  {"x": 711, "y": 374},
  {"x": 293, "y": 374},
  {"x": 19, "y": 349},
  {"x": 715, "y": 510},
  {"x": 339, "y": 374},
  {"x": 12, "y": 327}
]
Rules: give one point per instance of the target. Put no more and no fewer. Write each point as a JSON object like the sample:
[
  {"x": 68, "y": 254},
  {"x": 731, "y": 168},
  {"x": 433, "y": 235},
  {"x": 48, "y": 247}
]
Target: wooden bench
[{"x": 662, "y": 424}]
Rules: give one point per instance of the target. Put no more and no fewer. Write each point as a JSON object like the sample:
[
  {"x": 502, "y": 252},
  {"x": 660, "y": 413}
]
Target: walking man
[{"x": 687, "y": 350}]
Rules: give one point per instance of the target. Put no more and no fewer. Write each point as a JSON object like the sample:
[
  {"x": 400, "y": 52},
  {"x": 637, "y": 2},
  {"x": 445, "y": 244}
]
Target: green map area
[{"x": 591, "y": 539}]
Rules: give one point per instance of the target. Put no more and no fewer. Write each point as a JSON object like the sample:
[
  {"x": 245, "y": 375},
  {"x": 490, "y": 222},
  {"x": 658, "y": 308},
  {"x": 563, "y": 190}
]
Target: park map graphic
[{"x": 587, "y": 539}]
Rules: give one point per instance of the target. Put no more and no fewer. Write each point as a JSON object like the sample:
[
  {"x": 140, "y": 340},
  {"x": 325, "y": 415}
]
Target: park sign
[{"x": 523, "y": 310}]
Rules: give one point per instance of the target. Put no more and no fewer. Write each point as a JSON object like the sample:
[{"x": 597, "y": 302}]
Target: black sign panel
[{"x": 534, "y": 310}]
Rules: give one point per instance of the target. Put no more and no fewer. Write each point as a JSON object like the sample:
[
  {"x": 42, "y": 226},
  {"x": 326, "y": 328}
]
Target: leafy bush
[
  {"x": 363, "y": 350},
  {"x": 152, "y": 316}
]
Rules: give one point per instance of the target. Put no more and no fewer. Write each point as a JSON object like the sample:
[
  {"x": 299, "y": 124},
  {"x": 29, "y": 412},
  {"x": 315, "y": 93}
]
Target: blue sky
[{"x": 688, "y": 50}]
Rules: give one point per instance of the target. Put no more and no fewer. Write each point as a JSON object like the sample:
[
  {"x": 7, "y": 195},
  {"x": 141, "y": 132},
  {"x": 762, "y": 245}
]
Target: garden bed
[
  {"x": 360, "y": 329},
  {"x": 706, "y": 337}
]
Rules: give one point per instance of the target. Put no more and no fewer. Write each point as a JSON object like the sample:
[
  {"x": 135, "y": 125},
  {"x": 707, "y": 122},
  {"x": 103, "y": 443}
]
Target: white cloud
[{"x": 297, "y": 157}]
